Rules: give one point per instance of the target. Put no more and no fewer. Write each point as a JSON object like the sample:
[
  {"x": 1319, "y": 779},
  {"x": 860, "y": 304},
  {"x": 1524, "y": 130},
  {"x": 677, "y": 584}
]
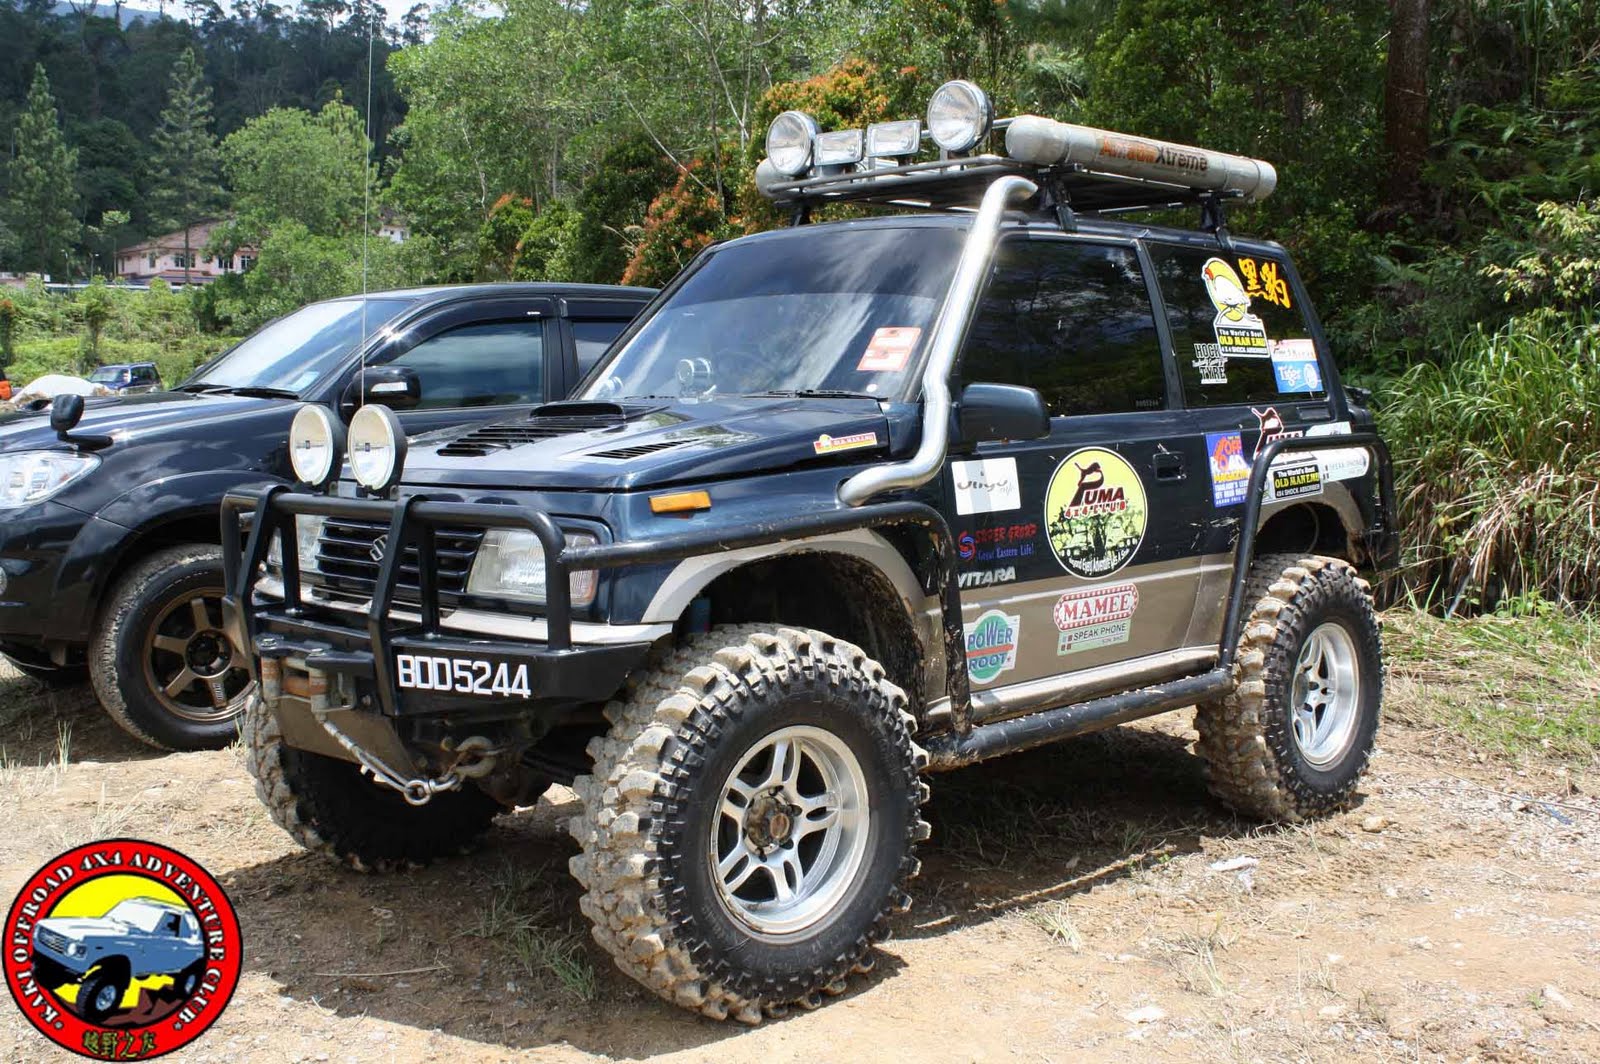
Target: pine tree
[
  {"x": 42, "y": 202},
  {"x": 186, "y": 160}
]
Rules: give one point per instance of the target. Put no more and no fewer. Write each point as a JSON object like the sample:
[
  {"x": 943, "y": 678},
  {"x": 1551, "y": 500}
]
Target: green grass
[
  {"x": 1518, "y": 682},
  {"x": 519, "y": 918}
]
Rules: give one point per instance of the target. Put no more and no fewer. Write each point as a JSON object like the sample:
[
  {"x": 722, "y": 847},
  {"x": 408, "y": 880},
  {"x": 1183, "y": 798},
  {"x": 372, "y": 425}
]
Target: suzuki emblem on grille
[{"x": 379, "y": 545}]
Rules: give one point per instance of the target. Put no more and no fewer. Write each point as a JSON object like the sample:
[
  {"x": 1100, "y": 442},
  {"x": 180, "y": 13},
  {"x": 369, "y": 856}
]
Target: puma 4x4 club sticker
[
  {"x": 1095, "y": 512},
  {"x": 122, "y": 950}
]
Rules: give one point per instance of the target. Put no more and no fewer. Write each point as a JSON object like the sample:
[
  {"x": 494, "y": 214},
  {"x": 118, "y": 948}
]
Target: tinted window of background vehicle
[
  {"x": 1238, "y": 331},
  {"x": 591, "y": 338},
  {"x": 1072, "y": 320},
  {"x": 480, "y": 365}
]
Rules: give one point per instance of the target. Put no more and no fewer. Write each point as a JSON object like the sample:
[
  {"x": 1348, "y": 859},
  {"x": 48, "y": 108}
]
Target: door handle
[{"x": 1170, "y": 467}]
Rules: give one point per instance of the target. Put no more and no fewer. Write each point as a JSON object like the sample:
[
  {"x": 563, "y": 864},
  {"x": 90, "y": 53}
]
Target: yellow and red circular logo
[{"x": 122, "y": 950}]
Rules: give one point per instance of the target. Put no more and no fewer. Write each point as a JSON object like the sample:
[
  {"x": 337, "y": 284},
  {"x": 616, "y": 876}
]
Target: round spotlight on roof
[
  {"x": 315, "y": 441},
  {"x": 789, "y": 142},
  {"x": 377, "y": 448},
  {"x": 959, "y": 115}
]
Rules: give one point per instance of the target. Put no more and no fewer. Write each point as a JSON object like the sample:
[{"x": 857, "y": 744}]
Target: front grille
[
  {"x": 348, "y": 557},
  {"x": 53, "y": 940}
]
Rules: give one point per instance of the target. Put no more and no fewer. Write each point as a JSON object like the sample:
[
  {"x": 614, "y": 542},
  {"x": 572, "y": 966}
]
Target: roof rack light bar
[{"x": 1046, "y": 142}]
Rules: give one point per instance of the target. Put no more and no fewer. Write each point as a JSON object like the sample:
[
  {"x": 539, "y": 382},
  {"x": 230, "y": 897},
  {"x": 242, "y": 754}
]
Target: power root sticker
[
  {"x": 122, "y": 949},
  {"x": 1294, "y": 366},
  {"x": 1095, "y": 512},
  {"x": 987, "y": 486},
  {"x": 991, "y": 645},
  {"x": 826, "y": 444},
  {"x": 889, "y": 350},
  {"x": 1230, "y": 470},
  {"x": 1095, "y": 617},
  {"x": 1240, "y": 333}
]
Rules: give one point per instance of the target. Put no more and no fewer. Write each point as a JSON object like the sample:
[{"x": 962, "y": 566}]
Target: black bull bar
[{"x": 413, "y": 520}]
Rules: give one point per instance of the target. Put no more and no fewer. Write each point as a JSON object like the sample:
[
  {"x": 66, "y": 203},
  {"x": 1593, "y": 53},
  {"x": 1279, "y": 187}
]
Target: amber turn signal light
[{"x": 680, "y": 502}]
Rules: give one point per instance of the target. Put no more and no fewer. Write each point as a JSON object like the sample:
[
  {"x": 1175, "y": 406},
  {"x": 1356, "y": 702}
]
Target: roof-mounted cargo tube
[
  {"x": 1046, "y": 142},
  {"x": 942, "y": 348}
]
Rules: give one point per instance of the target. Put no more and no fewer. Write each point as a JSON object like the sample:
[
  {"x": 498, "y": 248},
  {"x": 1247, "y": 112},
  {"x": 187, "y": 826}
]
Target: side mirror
[
  {"x": 1002, "y": 412},
  {"x": 396, "y": 387},
  {"x": 65, "y": 413}
]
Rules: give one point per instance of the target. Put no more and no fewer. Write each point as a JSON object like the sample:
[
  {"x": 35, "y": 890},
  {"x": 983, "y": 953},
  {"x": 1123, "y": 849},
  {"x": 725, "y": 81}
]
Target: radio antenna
[{"x": 366, "y": 212}]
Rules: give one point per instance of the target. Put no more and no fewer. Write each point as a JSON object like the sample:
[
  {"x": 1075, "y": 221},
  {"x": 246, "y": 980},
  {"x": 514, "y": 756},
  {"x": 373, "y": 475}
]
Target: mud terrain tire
[
  {"x": 1254, "y": 762},
  {"x": 655, "y": 812},
  {"x": 329, "y": 807}
]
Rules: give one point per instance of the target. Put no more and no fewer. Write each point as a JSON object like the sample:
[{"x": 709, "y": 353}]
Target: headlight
[
  {"x": 838, "y": 148},
  {"x": 307, "y": 531},
  {"x": 27, "y": 477},
  {"x": 77, "y": 949},
  {"x": 377, "y": 448},
  {"x": 959, "y": 116},
  {"x": 315, "y": 440},
  {"x": 789, "y": 142},
  {"x": 510, "y": 564},
  {"x": 892, "y": 140}
]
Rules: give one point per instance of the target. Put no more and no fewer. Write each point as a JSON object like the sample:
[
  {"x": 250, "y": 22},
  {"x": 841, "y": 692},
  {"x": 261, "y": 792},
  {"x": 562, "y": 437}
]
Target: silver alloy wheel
[
  {"x": 790, "y": 833},
  {"x": 106, "y": 998},
  {"x": 1326, "y": 696}
]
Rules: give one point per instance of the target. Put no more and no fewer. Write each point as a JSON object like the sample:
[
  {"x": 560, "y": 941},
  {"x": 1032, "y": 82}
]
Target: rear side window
[
  {"x": 591, "y": 337},
  {"x": 1072, "y": 320},
  {"x": 1238, "y": 331},
  {"x": 487, "y": 364}
]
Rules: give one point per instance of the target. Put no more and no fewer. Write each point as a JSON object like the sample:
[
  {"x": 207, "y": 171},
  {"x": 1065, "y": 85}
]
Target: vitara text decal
[
  {"x": 1230, "y": 472},
  {"x": 987, "y": 577},
  {"x": 826, "y": 444},
  {"x": 991, "y": 645},
  {"x": 1095, "y": 512},
  {"x": 988, "y": 485},
  {"x": 1095, "y": 617}
]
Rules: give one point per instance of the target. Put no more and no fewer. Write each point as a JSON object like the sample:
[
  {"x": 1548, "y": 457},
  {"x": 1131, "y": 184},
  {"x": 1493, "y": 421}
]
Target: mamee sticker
[
  {"x": 986, "y": 486},
  {"x": 1095, "y": 617},
  {"x": 1294, "y": 365},
  {"x": 991, "y": 645},
  {"x": 890, "y": 349},
  {"x": 1230, "y": 471}
]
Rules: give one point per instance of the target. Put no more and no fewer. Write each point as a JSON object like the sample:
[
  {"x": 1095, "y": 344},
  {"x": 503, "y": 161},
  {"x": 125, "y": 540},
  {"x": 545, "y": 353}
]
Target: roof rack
[{"x": 1079, "y": 169}]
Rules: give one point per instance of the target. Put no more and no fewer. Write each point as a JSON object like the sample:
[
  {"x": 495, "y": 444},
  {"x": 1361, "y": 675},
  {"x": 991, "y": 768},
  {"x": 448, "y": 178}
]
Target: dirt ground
[{"x": 1083, "y": 902}]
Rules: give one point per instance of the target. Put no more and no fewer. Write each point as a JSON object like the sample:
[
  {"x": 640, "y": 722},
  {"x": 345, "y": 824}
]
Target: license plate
[{"x": 462, "y": 676}]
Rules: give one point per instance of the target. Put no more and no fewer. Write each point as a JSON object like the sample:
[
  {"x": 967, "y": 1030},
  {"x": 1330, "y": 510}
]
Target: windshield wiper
[
  {"x": 201, "y": 387},
  {"x": 251, "y": 391},
  {"x": 812, "y": 393}
]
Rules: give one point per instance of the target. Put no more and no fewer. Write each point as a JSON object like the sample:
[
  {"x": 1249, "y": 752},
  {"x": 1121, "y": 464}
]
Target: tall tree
[
  {"x": 43, "y": 199},
  {"x": 185, "y": 188},
  {"x": 1405, "y": 104}
]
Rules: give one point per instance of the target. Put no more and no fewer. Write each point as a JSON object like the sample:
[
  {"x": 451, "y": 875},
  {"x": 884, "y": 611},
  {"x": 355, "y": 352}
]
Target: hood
[
  {"x": 129, "y": 418},
  {"x": 82, "y": 927},
  {"x": 643, "y": 443}
]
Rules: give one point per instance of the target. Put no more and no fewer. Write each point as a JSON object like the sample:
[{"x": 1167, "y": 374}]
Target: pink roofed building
[{"x": 164, "y": 257}]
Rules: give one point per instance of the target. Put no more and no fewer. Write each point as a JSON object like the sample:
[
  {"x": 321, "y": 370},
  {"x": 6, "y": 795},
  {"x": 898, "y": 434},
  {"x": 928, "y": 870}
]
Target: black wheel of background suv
[
  {"x": 328, "y": 806},
  {"x": 751, "y": 820},
  {"x": 100, "y": 993},
  {"x": 161, "y": 664},
  {"x": 1295, "y": 736}
]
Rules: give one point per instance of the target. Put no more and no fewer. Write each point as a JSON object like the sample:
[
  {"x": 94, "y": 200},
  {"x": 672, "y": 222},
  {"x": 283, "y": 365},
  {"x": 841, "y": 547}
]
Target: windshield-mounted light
[
  {"x": 841, "y": 147},
  {"x": 894, "y": 140},
  {"x": 315, "y": 442},
  {"x": 510, "y": 565},
  {"x": 789, "y": 142},
  {"x": 959, "y": 116},
  {"x": 377, "y": 448},
  {"x": 27, "y": 477}
]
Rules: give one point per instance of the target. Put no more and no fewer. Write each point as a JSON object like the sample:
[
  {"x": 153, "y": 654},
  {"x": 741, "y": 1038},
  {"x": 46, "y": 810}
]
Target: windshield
[
  {"x": 107, "y": 375},
  {"x": 818, "y": 310},
  {"x": 290, "y": 354},
  {"x": 138, "y": 914}
]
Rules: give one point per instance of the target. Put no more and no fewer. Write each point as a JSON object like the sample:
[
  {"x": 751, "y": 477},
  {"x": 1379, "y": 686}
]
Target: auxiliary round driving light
[
  {"x": 789, "y": 142},
  {"x": 377, "y": 448},
  {"x": 959, "y": 115},
  {"x": 315, "y": 440}
]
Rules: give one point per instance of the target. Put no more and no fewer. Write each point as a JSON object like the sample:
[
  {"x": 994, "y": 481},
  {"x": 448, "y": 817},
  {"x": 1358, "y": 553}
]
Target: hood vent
[
  {"x": 545, "y": 422},
  {"x": 638, "y": 450}
]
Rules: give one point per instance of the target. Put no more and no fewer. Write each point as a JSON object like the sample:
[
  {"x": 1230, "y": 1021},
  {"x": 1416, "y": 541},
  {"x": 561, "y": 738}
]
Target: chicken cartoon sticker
[
  {"x": 1240, "y": 333},
  {"x": 1095, "y": 513}
]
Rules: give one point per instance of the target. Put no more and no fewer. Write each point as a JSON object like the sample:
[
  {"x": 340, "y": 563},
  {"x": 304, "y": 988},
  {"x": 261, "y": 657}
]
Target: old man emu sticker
[{"x": 1095, "y": 513}]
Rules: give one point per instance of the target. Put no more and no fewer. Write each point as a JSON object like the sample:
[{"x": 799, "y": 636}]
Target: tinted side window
[
  {"x": 1238, "y": 331},
  {"x": 591, "y": 338},
  {"x": 480, "y": 365},
  {"x": 1072, "y": 320}
]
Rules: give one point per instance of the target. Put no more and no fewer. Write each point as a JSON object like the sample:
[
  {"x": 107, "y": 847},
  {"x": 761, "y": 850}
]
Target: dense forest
[{"x": 1439, "y": 165}]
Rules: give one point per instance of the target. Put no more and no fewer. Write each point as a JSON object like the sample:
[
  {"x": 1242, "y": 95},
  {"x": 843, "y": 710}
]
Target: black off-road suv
[{"x": 854, "y": 502}]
